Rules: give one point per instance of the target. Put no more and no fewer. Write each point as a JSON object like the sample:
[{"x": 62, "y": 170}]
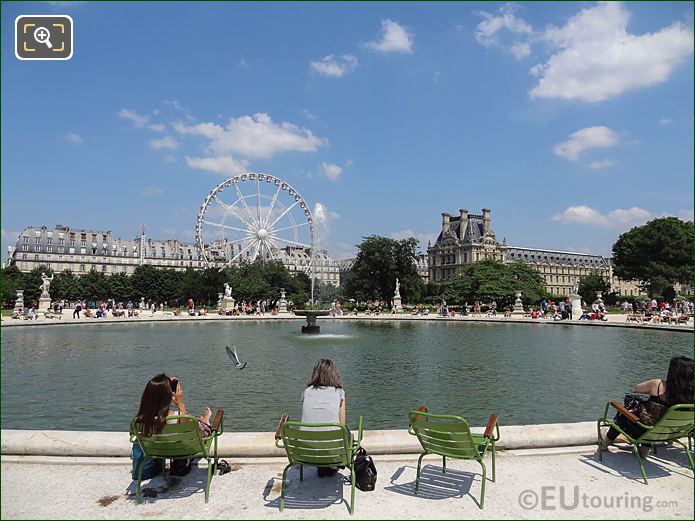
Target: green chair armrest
[
  {"x": 218, "y": 422},
  {"x": 278, "y": 431},
  {"x": 622, "y": 410},
  {"x": 492, "y": 425}
]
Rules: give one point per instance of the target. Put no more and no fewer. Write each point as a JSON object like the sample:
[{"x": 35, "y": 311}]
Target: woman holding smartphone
[{"x": 156, "y": 405}]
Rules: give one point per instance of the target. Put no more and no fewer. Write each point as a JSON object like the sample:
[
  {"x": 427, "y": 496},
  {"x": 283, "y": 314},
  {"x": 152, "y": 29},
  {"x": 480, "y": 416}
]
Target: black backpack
[{"x": 365, "y": 470}]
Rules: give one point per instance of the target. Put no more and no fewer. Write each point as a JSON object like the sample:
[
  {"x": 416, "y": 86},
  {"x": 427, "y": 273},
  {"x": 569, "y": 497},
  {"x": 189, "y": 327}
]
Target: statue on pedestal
[
  {"x": 227, "y": 291},
  {"x": 46, "y": 284}
]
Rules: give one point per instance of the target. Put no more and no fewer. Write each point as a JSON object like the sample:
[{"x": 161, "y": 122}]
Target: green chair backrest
[
  {"x": 443, "y": 434},
  {"x": 677, "y": 422},
  {"x": 177, "y": 440},
  {"x": 307, "y": 445}
]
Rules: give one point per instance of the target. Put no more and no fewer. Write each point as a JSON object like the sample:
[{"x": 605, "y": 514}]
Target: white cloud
[
  {"x": 167, "y": 142},
  {"x": 664, "y": 121},
  {"x": 335, "y": 67},
  {"x": 621, "y": 219},
  {"x": 423, "y": 238},
  {"x": 585, "y": 139},
  {"x": 255, "y": 136},
  {"x": 488, "y": 31},
  {"x": 308, "y": 114},
  {"x": 685, "y": 214},
  {"x": 394, "y": 38},
  {"x": 152, "y": 190},
  {"x": 603, "y": 163},
  {"x": 220, "y": 165},
  {"x": 75, "y": 139},
  {"x": 331, "y": 171},
  {"x": 348, "y": 163},
  {"x": 595, "y": 58},
  {"x": 140, "y": 120}
]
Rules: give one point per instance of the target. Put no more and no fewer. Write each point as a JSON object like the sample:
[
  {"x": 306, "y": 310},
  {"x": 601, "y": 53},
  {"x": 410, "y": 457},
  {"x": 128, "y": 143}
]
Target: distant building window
[
  {"x": 72, "y": 242},
  {"x": 61, "y": 242},
  {"x": 25, "y": 240},
  {"x": 24, "y": 256},
  {"x": 83, "y": 242},
  {"x": 81, "y": 267},
  {"x": 103, "y": 268},
  {"x": 37, "y": 248},
  {"x": 25, "y": 247},
  {"x": 49, "y": 248},
  {"x": 83, "y": 250},
  {"x": 37, "y": 240}
]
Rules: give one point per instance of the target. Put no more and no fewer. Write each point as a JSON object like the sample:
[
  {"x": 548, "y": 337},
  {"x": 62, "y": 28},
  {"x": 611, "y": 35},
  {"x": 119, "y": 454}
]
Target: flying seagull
[{"x": 234, "y": 357}]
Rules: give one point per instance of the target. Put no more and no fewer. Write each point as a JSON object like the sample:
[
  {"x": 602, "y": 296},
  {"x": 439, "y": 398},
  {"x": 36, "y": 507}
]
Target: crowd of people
[{"x": 657, "y": 312}]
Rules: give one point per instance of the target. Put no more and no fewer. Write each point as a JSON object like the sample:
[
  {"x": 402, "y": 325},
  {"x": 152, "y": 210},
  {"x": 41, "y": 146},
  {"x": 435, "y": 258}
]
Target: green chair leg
[
  {"x": 207, "y": 485},
  {"x": 282, "y": 488},
  {"x": 688, "y": 453},
  {"x": 352, "y": 491},
  {"x": 599, "y": 442},
  {"x": 417, "y": 478},
  {"x": 301, "y": 473},
  {"x": 635, "y": 451},
  {"x": 493, "y": 460},
  {"x": 137, "y": 488},
  {"x": 444, "y": 464},
  {"x": 482, "y": 492}
]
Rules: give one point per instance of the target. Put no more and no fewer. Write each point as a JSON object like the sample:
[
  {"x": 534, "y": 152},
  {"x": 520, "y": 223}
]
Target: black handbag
[{"x": 365, "y": 470}]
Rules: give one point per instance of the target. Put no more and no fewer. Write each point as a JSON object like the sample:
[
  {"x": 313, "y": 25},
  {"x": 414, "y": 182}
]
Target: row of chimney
[{"x": 463, "y": 218}]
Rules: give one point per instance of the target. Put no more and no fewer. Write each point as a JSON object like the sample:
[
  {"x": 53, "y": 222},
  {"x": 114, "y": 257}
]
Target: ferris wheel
[{"x": 255, "y": 216}]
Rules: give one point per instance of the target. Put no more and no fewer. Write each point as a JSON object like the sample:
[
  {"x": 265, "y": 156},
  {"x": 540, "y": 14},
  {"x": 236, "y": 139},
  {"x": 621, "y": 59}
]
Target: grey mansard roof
[
  {"x": 474, "y": 230},
  {"x": 569, "y": 258}
]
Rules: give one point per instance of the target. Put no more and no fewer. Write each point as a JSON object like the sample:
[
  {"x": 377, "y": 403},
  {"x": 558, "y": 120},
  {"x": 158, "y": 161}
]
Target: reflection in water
[{"x": 86, "y": 378}]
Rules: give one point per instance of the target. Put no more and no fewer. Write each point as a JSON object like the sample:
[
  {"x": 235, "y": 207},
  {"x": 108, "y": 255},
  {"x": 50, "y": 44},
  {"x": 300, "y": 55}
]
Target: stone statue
[
  {"x": 575, "y": 288},
  {"x": 46, "y": 283},
  {"x": 227, "y": 290},
  {"x": 398, "y": 287}
]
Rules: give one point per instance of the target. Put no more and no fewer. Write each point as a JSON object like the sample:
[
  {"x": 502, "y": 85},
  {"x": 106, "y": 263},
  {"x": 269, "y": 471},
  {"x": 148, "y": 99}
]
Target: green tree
[
  {"x": 592, "y": 283},
  {"x": 490, "y": 280},
  {"x": 120, "y": 287},
  {"x": 324, "y": 293},
  {"x": 12, "y": 279},
  {"x": 379, "y": 262},
  {"x": 189, "y": 286},
  {"x": 169, "y": 286},
  {"x": 66, "y": 286},
  {"x": 145, "y": 283},
  {"x": 659, "y": 254},
  {"x": 94, "y": 286}
]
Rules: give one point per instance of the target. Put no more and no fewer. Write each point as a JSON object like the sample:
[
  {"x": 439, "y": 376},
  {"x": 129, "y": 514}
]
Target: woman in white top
[{"x": 323, "y": 400}]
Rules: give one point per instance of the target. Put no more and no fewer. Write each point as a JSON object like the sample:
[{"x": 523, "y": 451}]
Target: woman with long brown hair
[
  {"x": 323, "y": 400},
  {"x": 155, "y": 405}
]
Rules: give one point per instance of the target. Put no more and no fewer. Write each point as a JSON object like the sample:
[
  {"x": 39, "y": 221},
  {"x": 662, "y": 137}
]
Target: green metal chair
[
  {"x": 332, "y": 446},
  {"x": 181, "y": 440},
  {"x": 676, "y": 423},
  {"x": 450, "y": 437}
]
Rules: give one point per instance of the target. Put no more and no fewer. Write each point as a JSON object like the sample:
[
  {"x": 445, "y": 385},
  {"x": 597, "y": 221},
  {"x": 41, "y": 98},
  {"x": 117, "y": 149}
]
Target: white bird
[{"x": 234, "y": 357}]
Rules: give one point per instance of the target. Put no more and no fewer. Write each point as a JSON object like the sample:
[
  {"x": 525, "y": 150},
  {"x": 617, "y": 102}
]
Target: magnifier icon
[{"x": 43, "y": 35}]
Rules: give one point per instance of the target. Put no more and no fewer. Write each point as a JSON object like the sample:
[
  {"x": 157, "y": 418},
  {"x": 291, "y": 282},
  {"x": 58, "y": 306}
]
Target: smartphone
[{"x": 174, "y": 385}]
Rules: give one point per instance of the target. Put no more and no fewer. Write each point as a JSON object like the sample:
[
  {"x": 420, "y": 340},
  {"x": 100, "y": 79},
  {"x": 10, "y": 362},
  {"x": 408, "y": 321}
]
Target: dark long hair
[
  {"x": 154, "y": 404},
  {"x": 679, "y": 382},
  {"x": 325, "y": 374}
]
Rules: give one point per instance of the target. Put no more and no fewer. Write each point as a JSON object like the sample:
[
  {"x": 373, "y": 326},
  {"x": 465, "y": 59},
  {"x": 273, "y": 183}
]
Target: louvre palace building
[{"x": 466, "y": 238}]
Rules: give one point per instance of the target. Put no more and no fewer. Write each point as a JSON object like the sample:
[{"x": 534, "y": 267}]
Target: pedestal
[
  {"x": 397, "y": 303},
  {"x": 19, "y": 302},
  {"x": 577, "y": 310},
  {"x": 227, "y": 304},
  {"x": 44, "y": 303},
  {"x": 518, "y": 305},
  {"x": 311, "y": 327}
]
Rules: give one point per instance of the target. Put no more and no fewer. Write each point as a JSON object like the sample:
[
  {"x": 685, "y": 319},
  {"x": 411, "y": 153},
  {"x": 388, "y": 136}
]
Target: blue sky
[{"x": 572, "y": 121}]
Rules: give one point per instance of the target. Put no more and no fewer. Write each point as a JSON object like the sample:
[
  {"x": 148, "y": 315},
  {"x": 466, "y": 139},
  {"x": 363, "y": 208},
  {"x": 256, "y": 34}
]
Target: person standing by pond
[{"x": 323, "y": 400}]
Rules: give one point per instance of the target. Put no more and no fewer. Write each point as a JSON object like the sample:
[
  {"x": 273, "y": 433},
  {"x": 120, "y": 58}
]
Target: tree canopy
[
  {"x": 592, "y": 283},
  {"x": 380, "y": 260},
  {"x": 659, "y": 253},
  {"x": 490, "y": 280}
]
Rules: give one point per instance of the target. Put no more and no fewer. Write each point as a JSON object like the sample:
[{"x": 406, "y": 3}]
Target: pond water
[{"x": 91, "y": 377}]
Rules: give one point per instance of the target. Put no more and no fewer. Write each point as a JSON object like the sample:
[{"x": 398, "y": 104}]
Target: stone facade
[
  {"x": 63, "y": 248},
  {"x": 468, "y": 238},
  {"x": 463, "y": 239}
]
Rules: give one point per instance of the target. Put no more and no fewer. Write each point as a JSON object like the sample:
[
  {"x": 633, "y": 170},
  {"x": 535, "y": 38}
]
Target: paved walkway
[
  {"x": 531, "y": 484},
  {"x": 613, "y": 320}
]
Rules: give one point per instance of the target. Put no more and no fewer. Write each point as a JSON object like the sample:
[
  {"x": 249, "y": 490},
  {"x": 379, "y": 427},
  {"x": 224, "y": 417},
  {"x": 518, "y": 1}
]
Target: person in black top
[{"x": 678, "y": 388}]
